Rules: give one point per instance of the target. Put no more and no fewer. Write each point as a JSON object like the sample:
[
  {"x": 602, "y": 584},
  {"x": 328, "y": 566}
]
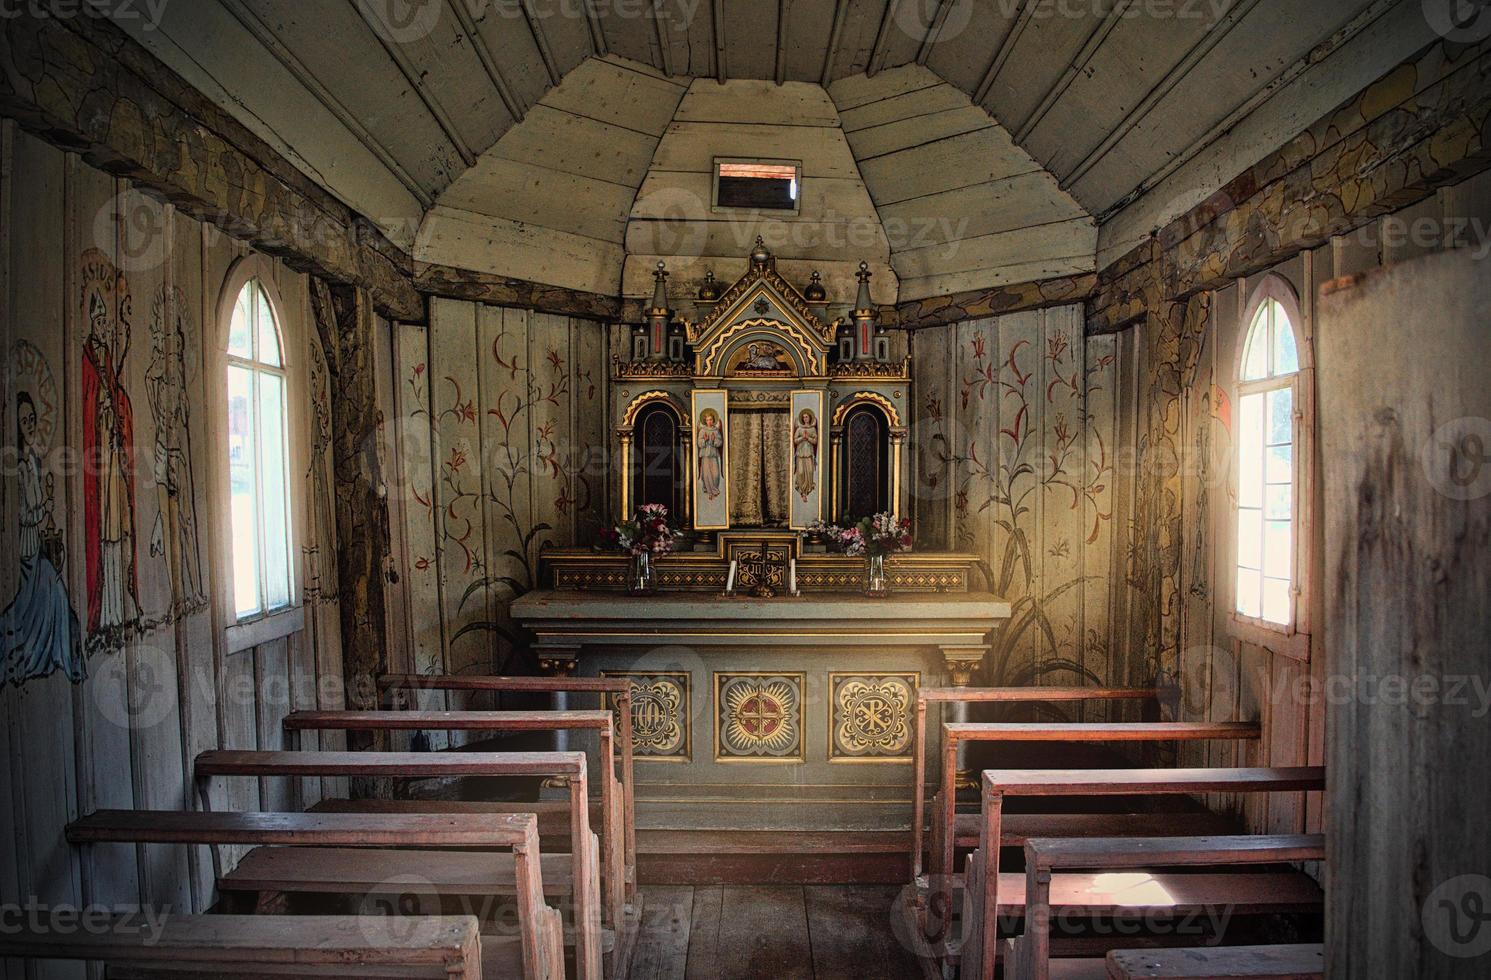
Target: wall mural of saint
[
  {"x": 39, "y": 631},
  {"x": 166, "y": 389},
  {"x": 805, "y": 454},
  {"x": 109, "y": 451}
]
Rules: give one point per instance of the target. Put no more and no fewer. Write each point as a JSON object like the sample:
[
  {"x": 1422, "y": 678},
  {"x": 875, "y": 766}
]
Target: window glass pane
[
  {"x": 274, "y": 490},
  {"x": 269, "y": 335},
  {"x": 1280, "y": 416},
  {"x": 1286, "y": 354},
  {"x": 1277, "y": 550},
  {"x": 240, "y": 339},
  {"x": 1255, "y": 360},
  {"x": 1249, "y": 593},
  {"x": 1250, "y": 538},
  {"x": 242, "y": 489},
  {"x": 1277, "y": 503},
  {"x": 1250, "y": 452},
  {"x": 1279, "y": 464},
  {"x": 1276, "y": 600}
]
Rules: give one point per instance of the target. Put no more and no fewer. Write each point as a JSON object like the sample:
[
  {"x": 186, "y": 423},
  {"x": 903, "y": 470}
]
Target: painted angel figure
[
  {"x": 39, "y": 632},
  {"x": 710, "y": 442},
  {"x": 805, "y": 454}
]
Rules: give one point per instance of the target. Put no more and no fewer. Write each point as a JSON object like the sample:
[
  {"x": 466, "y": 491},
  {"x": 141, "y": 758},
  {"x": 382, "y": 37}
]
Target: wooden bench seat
[
  {"x": 242, "y": 946},
  {"x": 612, "y": 692},
  {"x": 958, "y": 733},
  {"x": 585, "y": 861},
  {"x": 958, "y": 700},
  {"x": 1304, "y": 961},
  {"x": 618, "y": 863},
  {"x": 520, "y": 872},
  {"x": 1049, "y": 860},
  {"x": 345, "y": 871},
  {"x": 1016, "y": 828},
  {"x": 982, "y": 897}
]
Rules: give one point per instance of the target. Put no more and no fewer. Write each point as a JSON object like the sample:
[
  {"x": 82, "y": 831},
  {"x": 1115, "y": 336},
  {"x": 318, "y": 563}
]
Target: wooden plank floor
[{"x": 780, "y": 932}]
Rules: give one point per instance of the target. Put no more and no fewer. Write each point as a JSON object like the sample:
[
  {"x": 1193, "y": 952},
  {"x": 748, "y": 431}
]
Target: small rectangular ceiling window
[{"x": 754, "y": 185}]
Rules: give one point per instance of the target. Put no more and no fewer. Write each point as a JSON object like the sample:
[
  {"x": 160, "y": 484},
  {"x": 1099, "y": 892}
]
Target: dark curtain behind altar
[{"x": 760, "y": 478}]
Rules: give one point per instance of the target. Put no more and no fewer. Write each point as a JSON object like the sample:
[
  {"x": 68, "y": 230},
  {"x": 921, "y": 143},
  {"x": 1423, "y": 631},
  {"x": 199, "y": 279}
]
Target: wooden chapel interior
[{"x": 338, "y": 337}]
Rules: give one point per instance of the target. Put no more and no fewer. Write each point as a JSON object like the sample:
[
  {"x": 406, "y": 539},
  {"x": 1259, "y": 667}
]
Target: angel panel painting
[
  {"x": 39, "y": 632},
  {"x": 710, "y": 441},
  {"x": 805, "y": 454}
]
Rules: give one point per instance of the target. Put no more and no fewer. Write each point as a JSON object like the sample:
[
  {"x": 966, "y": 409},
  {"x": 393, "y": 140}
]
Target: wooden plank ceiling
[{"x": 398, "y": 106}]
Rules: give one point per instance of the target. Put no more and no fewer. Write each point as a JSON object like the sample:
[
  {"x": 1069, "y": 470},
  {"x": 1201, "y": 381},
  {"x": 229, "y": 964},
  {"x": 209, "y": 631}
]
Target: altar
[
  {"x": 768, "y": 691},
  {"x": 765, "y": 705}
]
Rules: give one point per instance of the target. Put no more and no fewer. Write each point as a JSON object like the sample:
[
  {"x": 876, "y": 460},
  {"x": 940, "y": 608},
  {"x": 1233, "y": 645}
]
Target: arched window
[
  {"x": 866, "y": 466},
  {"x": 656, "y": 478},
  {"x": 258, "y": 453},
  {"x": 1269, "y": 461}
]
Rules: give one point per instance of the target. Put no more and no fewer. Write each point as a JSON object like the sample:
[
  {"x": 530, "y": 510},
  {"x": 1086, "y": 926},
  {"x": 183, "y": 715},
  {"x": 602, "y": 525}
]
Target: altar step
[{"x": 749, "y": 857}]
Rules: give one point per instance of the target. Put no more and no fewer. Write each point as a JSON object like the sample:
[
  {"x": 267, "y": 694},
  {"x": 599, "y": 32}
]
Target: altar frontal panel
[
  {"x": 711, "y": 459},
  {"x": 869, "y": 716},
  {"x": 662, "y": 714},
  {"x": 758, "y": 717},
  {"x": 809, "y": 440}
]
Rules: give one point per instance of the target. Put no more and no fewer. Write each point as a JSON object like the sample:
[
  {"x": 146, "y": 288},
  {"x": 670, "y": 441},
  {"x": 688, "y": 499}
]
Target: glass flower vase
[
  {"x": 640, "y": 579},
  {"x": 877, "y": 584}
]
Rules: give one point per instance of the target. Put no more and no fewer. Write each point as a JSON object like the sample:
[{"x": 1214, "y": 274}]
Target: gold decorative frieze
[
  {"x": 625, "y": 370},
  {"x": 870, "y": 717},
  {"x": 872, "y": 370},
  {"x": 588, "y": 570},
  {"x": 662, "y": 714},
  {"x": 758, "y": 717}
]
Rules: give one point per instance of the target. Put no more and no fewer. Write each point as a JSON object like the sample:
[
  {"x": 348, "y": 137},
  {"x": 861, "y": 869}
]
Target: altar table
[{"x": 751, "y": 708}]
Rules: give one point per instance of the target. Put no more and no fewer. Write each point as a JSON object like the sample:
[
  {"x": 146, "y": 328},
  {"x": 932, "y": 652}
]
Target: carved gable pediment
[{"x": 767, "y": 311}]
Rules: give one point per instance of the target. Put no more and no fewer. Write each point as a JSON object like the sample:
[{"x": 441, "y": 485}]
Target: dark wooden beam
[
  {"x": 717, "y": 18},
  {"x": 484, "y": 287},
  {"x": 1075, "y": 68},
  {"x": 995, "y": 301},
  {"x": 664, "y": 43},
  {"x": 882, "y": 37},
  {"x": 1424, "y": 125},
  {"x": 597, "y": 32},
  {"x": 784, "y": 8},
  {"x": 83, "y": 85},
  {"x": 536, "y": 28}
]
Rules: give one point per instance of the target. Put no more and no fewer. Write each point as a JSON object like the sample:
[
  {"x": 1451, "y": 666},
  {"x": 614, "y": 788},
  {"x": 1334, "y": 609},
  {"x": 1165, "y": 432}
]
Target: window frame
[
  {"x": 267, "y": 625},
  {"x": 716, "y": 207},
  {"x": 1291, "y": 639}
]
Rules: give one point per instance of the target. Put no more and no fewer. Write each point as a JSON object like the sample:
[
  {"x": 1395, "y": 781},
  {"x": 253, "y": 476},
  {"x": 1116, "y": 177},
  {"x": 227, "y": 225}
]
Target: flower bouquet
[
  {"x": 871, "y": 538},
  {"x": 646, "y": 535}
]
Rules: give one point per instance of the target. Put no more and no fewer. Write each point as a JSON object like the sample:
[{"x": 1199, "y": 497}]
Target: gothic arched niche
[
  {"x": 657, "y": 462},
  {"x": 865, "y": 470}
]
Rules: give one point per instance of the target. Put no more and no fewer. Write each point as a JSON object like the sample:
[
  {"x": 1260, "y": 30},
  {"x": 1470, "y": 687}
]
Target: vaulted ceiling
[{"x": 1127, "y": 112}]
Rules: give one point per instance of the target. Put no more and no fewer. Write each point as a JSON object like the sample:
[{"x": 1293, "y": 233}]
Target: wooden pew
[
  {"x": 537, "y": 955},
  {"x": 237, "y": 946},
  {"x": 988, "y": 695},
  {"x": 957, "y": 733},
  {"x": 983, "y": 884},
  {"x": 1305, "y": 961},
  {"x": 618, "y": 865},
  {"x": 326, "y": 867},
  {"x": 1030, "y": 956},
  {"x": 617, "y": 690}
]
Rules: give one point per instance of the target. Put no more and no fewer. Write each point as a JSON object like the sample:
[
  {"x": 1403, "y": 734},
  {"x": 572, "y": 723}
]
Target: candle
[
  {"x": 730, "y": 579},
  {"x": 792, "y": 576}
]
